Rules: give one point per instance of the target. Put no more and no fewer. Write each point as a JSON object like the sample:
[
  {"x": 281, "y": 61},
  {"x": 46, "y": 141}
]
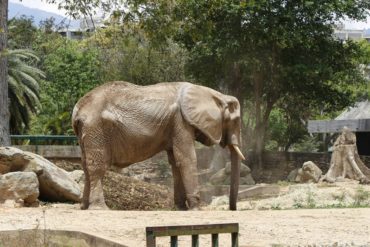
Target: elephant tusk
[{"x": 239, "y": 152}]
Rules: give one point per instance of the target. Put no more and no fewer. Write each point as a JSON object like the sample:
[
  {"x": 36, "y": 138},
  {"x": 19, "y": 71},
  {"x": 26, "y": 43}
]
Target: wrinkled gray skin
[{"x": 120, "y": 123}]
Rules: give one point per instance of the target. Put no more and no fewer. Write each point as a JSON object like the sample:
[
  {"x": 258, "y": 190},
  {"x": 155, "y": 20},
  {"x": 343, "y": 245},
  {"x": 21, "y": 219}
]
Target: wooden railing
[{"x": 194, "y": 231}]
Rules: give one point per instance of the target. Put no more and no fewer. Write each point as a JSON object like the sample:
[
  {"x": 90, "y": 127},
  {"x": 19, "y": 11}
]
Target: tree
[
  {"x": 272, "y": 52},
  {"x": 71, "y": 71},
  {"x": 4, "y": 112},
  {"x": 23, "y": 80},
  {"x": 22, "y": 32},
  {"x": 127, "y": 54}
]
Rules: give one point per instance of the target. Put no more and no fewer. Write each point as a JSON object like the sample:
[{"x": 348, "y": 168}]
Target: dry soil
[{"x": 301, "y": 227}]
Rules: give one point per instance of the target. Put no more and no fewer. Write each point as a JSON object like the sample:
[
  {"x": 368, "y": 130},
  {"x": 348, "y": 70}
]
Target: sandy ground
[{"x": 301, "y": 227}]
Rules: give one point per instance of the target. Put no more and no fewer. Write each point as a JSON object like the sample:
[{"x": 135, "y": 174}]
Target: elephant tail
[{"x": 77, "y": 124}]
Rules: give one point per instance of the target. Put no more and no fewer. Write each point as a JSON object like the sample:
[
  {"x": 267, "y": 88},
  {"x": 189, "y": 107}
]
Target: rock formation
[
  {"x": 20, "y": 187},
  {"x": 309, "y": 173},
  {"x": 222, "y": 177},
  {"x": 345, "y": 161},
  {"x": 54, "y": 183}
]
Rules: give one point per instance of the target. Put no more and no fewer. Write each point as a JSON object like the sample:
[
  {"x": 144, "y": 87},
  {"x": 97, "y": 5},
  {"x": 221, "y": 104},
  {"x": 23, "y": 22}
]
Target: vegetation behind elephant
[{"x": 120, "y": 123}]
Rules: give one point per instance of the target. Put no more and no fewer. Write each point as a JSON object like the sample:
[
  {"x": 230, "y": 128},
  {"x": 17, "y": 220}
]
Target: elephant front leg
[
  {"x": 186, "y": 163},
  {"x": 94, "y": 168},
  {"x": 178, "y": 185}
]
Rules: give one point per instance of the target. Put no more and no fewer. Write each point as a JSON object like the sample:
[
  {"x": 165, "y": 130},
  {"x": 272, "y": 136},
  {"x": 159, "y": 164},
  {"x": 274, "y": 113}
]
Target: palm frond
[{"x": 24, "y": 80}]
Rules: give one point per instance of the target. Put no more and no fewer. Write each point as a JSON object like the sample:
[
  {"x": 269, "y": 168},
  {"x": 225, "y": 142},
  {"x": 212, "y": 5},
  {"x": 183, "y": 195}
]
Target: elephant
[{"x": 120, "y": 123}]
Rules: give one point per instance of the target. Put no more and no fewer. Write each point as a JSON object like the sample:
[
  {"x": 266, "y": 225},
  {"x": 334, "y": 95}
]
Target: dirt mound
[{"x": 124, "y": 193}]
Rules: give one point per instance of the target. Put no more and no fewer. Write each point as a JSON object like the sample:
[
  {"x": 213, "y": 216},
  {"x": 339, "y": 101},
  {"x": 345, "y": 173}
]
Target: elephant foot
[
  {"x": 96, "y": 206},
  {"x": 193, "y": 202},
  {"x": 83, "y": 206},
  {"x": 182, "y": 207}
]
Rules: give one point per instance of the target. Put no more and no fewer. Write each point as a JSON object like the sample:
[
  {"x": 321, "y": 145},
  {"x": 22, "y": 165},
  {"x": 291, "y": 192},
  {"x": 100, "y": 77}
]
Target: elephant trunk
[{"x": 236, "y": 157}]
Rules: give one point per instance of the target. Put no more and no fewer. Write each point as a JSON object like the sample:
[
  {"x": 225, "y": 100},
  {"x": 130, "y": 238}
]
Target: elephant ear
[{"x": 202, "y": 108}]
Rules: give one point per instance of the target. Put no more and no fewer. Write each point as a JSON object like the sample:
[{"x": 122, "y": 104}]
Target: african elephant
[{"x": 119, "y": 123}]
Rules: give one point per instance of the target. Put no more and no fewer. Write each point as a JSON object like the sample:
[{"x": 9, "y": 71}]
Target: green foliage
[
  {"x": 22, "y": 32},
  {"x": 361, "y": 197},
  {"x": 275, "y": 53},
  {"x": 71, "y": 71},
  {"x": 307, "y": 144},
  {"x": 23, "y": 78},
  {"x": 128, "y": 55},
  {"x": 279, "y": 58},
  {"x": 23, "y": 74}
]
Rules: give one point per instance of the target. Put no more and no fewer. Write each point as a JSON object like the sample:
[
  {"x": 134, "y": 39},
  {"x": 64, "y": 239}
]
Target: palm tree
[{"x": 23, "y": 78}]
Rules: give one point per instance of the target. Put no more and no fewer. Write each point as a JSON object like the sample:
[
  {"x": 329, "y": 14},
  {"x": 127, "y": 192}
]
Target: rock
[
  {"x": 219, "y": 177},
  {"x": 222, "y": 177},
  {"x": 247, "y": 180},
  {"x": 55, "y": 183},
  {"x": 79, "y": 177},
  {"x": 244, "y": 169},
  {"x": 292, "y": 175},
  {"x": 12, "y": 159},
  {"x": 219, "y": 159},
  {"x": 309, "y": 173},
  {"x": 19, "y": 186}
]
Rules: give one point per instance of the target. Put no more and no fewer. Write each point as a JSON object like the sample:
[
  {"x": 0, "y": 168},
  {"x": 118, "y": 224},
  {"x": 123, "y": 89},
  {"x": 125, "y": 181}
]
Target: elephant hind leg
[
  {"x": 94, "y": 167},
  {"x": 178, "y": 185}
]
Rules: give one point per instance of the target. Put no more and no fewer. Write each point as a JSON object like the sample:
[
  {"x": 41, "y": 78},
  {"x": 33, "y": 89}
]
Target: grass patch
[{"x": 361, "y": 197}]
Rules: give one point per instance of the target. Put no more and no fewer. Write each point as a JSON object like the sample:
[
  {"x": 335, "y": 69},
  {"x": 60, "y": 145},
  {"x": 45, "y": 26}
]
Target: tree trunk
[
  {"x": 345, "y": 161},
  {"x": 236, "y": 89},
  {"x": 4, "y": 102}
]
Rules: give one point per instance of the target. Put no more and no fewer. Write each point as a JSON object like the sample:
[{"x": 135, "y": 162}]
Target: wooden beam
[{"x": 334, "y": 126}]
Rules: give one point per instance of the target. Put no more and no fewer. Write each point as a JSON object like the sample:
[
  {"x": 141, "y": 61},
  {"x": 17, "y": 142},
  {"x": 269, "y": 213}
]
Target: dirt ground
[
  {"x": 284, "y": 220},
  {"x": 301, "y": 227}
]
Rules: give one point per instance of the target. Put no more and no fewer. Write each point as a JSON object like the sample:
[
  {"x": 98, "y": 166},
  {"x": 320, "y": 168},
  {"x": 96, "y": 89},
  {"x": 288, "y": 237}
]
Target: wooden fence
[{"x": 194, "y": 231}]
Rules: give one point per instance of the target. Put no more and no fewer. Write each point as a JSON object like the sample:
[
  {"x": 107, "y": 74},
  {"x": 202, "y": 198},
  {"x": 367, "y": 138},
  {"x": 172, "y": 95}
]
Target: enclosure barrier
[
  {"x": 194, "y": 231},
  {"x": 42, "y": 139}
]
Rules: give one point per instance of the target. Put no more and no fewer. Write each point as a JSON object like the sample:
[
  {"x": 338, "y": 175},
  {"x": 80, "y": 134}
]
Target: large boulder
[
  {"x": 79, "y": 177},
  {"x": 222, "y": 177},
  {"x": 18, "y": 186},
  {"x": 309, "y": 173},
  {"x": 55, "y": 184},
  {"x": 12, "y": 159}
]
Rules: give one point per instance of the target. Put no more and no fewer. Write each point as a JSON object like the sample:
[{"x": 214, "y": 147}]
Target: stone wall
[{"x": 277, "y": 165}]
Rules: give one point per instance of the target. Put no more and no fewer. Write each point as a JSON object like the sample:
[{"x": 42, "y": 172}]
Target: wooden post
[
  {"x": 215, "y": 240},
  {"x": 195, "y": 240},
  {"x": 174, "y": 241},
  {"x": 150, "y": 239},
  {"x": 234, "y": 239}
]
